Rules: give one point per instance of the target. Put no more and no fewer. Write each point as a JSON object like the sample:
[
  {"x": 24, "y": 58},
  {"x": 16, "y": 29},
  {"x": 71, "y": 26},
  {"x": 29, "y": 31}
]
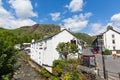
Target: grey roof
[{"x": 46, "y": 38}]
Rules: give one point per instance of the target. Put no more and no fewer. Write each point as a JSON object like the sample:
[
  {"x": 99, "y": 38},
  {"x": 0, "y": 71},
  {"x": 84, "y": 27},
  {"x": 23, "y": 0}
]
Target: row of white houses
[{"x": 44, "y": 52}]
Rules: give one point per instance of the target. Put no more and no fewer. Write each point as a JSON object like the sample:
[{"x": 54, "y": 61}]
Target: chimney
[
  {"x": 62, "y": 27},
  {"x": 109, "y": 28}
]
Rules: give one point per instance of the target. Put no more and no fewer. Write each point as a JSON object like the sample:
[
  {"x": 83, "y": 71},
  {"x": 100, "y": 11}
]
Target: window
[
  {"x": 113, "y": 47},
  {"x": 73, "y": 41},
  {"x": 113, "y": 35},
  {"x": 113, "y": 41}
]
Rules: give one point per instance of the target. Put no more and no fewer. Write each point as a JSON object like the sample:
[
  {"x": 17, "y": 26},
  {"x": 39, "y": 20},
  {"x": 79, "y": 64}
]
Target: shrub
[
  {"x": 59, "y": 63},
  {"x": 107, "y": 52},
  {"x": 75, "y": 75},
  {"x": 58, "y": 66},
  {"x": 72, "y": 61},
  {"x": 45, "y": 73},
  {"x": 67, "y": 76}
]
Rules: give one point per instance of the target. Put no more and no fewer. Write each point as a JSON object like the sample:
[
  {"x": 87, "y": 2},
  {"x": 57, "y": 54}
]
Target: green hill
[{"x": 39, "y": 31}]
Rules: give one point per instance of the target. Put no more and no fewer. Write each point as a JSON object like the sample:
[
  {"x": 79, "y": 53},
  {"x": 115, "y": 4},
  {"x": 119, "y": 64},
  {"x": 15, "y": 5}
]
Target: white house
[
  {"x": 110, "y": 39},
  {"x": 43, "y": 52}
]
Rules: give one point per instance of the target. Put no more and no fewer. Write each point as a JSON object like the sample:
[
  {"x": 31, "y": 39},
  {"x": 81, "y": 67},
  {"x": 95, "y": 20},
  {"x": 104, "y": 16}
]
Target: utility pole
[{"x": 103, "y": 60}]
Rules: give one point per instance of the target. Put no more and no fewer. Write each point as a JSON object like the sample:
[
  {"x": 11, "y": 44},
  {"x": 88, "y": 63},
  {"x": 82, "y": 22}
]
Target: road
[{"x": 112, "y": 65}]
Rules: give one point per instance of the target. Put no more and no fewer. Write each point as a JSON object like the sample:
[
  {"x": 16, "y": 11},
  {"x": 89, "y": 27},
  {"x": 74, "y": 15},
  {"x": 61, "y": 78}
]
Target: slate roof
[{"x": 56, "y": 34}]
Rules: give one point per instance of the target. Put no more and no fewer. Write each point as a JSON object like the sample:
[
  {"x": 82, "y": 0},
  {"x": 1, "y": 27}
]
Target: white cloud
[
  {"x": 97, "y": 28},
  {"x": 23, "y": 8},
  {"x": 7, "y": 20},
  {"x": 115, "y": 20},
  {"x": 77, "y": 22},
  {"x": 75, "y": 5},
  {"x": 55, "y": 16}
]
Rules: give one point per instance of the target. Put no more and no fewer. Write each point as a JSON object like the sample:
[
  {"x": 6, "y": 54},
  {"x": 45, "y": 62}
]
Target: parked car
[{"x": 95, "y": 50}]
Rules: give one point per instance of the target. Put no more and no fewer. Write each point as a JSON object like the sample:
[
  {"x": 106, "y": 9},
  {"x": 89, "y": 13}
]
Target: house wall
[
  {"x": 64, "y": 36},
  {"x": 47, "y": 54},
  {"x": 107, "y": 37},
  {"x": 36, "y": 52}
]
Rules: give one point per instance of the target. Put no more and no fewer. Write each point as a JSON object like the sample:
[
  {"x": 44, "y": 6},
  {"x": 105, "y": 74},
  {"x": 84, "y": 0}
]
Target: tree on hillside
[
  {"x": 67, "y": 48},
  {"x": 8, "y": 55}
]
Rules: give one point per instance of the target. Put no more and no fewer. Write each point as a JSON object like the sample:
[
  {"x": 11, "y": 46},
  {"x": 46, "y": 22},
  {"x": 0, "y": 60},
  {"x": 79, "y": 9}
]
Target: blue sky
[{"x": 86, "y": 16}]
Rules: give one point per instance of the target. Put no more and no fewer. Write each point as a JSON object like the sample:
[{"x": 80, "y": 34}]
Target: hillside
[
  {"x": 39, "y": 31},
  {"x": 85, "y": 37}
]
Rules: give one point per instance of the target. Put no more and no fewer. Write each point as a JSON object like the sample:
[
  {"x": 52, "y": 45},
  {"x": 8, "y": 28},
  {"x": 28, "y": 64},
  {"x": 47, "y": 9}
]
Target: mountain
[
  {"x": 85, "y": 37},
  {"x": 39, "y": 31}
]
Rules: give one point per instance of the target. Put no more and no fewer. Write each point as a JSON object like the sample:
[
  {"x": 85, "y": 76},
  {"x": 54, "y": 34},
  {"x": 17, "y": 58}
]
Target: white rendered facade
[
  {"x": 111, "y": 40},
  {"x": 44, "y": 52}
]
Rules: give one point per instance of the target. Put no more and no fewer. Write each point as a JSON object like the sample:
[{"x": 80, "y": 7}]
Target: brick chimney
[{"x": 109, "y": 28}]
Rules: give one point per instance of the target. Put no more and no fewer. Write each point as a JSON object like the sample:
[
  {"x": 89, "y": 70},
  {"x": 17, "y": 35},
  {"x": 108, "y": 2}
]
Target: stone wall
[{"x": 88, "y": 73}]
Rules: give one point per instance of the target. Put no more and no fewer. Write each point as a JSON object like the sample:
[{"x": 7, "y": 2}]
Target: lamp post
[{"x": 103, "y": 60}]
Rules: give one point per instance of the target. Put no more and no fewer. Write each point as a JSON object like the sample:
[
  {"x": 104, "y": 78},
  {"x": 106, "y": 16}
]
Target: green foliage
[
  {"x": 107, "y": 52},
  {"x": 23, "y": 55},
  {"x": 67, "y": 76},
  {"x": 59, "y": 63},
  {"x": 85, "y": 37},
  {"x": 74, "y": 61},
  {"x": 67, "y": 70},
  {"x": 58, "y": 66},
  {"x": 45, "y": 73},
  {"x": 37, "y": 31},
  {"x": 67, "y": 48},
  {"x": 75, "y": 75},
  {"x": 8, "y": 55}
]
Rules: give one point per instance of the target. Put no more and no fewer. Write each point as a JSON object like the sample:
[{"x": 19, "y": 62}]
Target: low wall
[{"x": 88, "y": 73}]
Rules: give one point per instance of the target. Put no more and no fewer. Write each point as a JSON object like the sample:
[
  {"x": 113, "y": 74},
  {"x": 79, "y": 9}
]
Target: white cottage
[
  {"x": 110, "y": 39},
  {"x": 43, "y": 52}
]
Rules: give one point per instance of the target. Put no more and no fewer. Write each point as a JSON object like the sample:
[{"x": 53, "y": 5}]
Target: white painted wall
[
  {"x": 49, "y": 54},
  {"x": 107, "y": 37}
]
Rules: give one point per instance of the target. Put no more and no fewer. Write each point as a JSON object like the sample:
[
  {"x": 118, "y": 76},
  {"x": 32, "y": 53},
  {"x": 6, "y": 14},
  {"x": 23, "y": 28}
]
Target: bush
[
  {"x": 67, "y": 76},
  {"x": 75, "y": 75},
  {"x": 59, "y": 63},
  {"x": 107, "y": 52},
  {"x": 45, "y": 73},
  {"x": 58, "y": 66},
  {"x": 72, "y": 61},
  {"x": 54, "y": 78}
]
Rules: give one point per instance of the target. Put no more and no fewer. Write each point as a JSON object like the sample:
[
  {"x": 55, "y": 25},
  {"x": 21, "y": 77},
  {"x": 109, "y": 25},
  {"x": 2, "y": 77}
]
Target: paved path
[
  {"x": 112, "y": 65},
  {"x": 26, "y": 72}
]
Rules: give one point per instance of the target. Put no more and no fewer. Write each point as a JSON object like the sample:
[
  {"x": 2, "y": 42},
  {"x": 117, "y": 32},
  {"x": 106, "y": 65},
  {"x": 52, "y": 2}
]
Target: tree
[
  {"x": 67, "y": 48},
  {"x": 8, "y": 55}
]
